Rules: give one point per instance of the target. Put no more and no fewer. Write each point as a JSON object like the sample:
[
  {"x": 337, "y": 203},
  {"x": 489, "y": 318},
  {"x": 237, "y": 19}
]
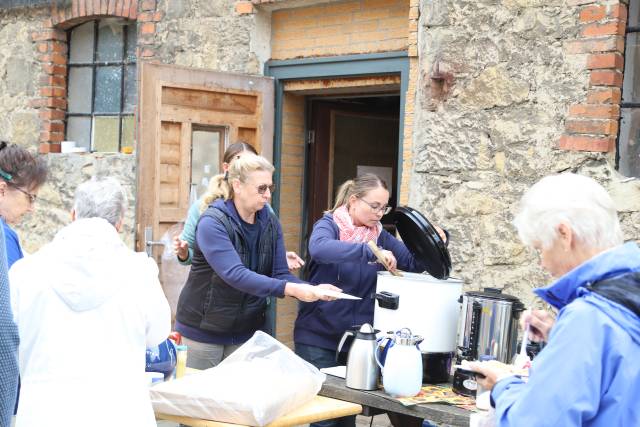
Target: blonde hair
[
  {"x": 220, "y": 186},
  {"x": 357, "y": 187},
  {"x": 216, "y": 189}
]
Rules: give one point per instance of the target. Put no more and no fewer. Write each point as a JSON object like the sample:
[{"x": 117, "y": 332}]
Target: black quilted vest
[{"x": 207, "y": 302}]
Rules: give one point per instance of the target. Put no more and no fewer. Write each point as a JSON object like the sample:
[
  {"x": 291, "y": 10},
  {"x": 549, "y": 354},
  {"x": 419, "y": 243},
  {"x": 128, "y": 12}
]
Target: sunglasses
[{"x": 264, "y": 187}]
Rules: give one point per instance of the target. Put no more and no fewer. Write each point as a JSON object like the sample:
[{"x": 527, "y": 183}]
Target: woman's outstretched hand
[{"x": 309, "y": 293}]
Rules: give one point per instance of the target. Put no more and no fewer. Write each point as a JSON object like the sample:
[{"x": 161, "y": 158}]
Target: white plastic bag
[{"x": 261, "y": 381}]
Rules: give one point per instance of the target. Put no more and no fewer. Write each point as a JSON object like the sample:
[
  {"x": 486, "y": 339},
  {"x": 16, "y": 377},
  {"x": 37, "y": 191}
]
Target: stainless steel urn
[
  {"x": 488, "y": 325},
  {"x": 488, "y": 328}
]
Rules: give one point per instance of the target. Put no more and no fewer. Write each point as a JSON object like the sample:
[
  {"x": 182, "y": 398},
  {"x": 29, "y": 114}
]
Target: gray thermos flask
[{"x": 362, "y": 369}]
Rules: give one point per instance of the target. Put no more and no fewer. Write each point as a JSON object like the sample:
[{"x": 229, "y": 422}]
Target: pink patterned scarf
[{"x": 351, "y": 233}]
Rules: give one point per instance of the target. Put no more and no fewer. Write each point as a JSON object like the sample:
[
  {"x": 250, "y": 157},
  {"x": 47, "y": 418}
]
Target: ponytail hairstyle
[
  {"x": 239, "y": 170},
  {"x": 19, "y": 168},
  {"x": 357, "y": 187},
  {"x": 218, "y": 188}
]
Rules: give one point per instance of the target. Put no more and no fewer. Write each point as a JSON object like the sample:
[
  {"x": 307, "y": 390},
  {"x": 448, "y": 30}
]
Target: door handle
[{"x": 149, "y": 243}]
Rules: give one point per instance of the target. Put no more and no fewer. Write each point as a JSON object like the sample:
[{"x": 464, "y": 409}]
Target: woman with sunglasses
[
  {"x": 21, "y": 176},
  {"x": 340, "y": 254},
  {"x": 238, "y": 261},
  {"x": 183, "y": 245}
]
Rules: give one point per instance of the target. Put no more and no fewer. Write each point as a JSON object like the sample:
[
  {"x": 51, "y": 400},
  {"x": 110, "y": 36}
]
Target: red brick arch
[{"x": 51, "y": 45}]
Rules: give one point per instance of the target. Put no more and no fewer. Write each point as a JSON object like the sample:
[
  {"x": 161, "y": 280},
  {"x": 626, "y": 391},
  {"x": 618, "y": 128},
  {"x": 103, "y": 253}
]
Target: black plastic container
[{"x": 436, "y": 367}]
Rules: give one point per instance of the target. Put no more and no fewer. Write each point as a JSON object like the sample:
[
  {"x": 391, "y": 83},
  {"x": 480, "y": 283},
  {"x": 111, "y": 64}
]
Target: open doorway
[{"x": 348, "y": 136}]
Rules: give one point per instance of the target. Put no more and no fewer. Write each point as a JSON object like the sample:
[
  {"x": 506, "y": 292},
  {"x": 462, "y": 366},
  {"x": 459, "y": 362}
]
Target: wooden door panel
[{"x": 173, "y": 102}]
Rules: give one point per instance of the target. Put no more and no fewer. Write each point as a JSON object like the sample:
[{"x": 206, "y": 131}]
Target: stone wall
[
  {"x": 55, "y": 199},
  {"x": 495, "y": 85},
  {"x": 206, "y": 34},
  {"x": 19, "y": 122}
]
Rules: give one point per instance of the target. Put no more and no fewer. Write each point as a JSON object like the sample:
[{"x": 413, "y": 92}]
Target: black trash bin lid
[{"x": 423, "y": 241}]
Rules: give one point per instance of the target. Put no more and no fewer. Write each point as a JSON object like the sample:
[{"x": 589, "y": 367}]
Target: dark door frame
[{"x": 375, "y": 64}]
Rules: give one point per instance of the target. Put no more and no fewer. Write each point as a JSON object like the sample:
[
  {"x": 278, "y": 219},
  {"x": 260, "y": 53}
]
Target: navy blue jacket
[{"x": 351, "y": 267}]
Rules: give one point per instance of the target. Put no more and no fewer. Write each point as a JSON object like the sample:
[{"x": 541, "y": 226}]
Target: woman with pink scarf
[{"x": 340, "y": 255}]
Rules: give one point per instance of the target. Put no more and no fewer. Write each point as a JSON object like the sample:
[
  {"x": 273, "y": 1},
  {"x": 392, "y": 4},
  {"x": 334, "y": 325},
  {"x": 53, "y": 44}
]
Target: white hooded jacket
[{"x": 86, "y": 307}]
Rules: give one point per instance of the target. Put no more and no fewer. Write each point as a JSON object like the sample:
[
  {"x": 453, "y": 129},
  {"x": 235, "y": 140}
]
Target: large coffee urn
[
  {"x": 427, "y": 306},
  {"x": 425, "y": 303},
  {"x": 488, "y": 327}
]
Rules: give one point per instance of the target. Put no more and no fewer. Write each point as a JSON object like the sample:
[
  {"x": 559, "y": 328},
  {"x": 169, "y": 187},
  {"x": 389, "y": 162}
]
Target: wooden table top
[
  {"x": 439, "y": 413},
  {"x": 318, "y": 409}
]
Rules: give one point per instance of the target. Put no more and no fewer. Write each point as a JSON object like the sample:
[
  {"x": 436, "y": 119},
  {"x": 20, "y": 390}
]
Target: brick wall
[
  {"x": 363, "y": 26},
  {"x": 592, "y": 125},
  {"x": 292, "y": 174},
  {"x": 52, "y": 46}
]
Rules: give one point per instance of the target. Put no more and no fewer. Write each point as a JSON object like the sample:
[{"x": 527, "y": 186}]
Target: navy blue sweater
[
  {"x": 351, "y": 267},
  {"x": 215, "y": 244},
  {"x": 217, "y": 248}
]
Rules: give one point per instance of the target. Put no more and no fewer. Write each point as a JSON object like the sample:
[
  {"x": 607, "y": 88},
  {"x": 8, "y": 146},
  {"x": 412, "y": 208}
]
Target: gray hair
[
  {"x": 100, "y": 198},
  {"x": 576, "y": 200}
]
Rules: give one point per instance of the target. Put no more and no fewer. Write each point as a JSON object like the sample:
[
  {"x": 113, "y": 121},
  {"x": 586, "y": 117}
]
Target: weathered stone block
[
  {"x": 494, "y": 87},
  {"x": 19, "y": 76},
  {"x": 435, "y": 13}
]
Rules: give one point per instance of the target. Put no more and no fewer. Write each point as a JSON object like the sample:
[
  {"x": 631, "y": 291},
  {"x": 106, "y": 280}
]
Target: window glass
[
  {"x": 79, "y": 130},
  {"x": 132, "y": 42},
  {"x": 106, "y": 133},
  {"x": 205, "y": 156},
  {"x": 81, "y": 44},
  {"x": 128, "y": 131},
  {"x": 102, "y": 84},
  {"x": 130, "y": 92},
  {"x": 629, "y": 152},
  {"x": 80, "y": 83},
  {"x": 110, "y": 41},
  {"x": 634, "y": 13},
  {"x": 108, "y": 89}
]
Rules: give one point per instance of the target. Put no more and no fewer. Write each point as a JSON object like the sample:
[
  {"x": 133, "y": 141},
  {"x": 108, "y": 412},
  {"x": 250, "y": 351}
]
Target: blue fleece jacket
[
  {"x": 351, "y": 267},
  {"x": 14, "y": 250},
  {"x": 588, "y": 374},
  {"x": 219, "y": 252}
]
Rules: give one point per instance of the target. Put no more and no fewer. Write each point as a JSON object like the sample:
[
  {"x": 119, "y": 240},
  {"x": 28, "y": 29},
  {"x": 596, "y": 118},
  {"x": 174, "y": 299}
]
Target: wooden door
[
  {"x": 176, "y": 105},
  {"x": 326, "y": 169}
]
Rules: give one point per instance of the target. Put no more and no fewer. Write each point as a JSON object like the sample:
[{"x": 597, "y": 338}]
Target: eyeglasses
[
  {"x": 376, "y": 208},
  {"x": 32, "y": 197},
  {"x": 264, "y": 187}
]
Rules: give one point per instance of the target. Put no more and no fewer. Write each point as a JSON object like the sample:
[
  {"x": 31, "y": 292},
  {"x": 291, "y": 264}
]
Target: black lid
[
  {"x": 423, "y": 241},
  {"x": 494, "y": 293}
]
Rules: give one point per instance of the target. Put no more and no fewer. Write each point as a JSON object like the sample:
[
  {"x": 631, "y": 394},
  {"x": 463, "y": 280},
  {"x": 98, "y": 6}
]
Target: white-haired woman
[
  {"x": 238, "y": 261},
  {"x": 588, "y": 374},
  {"x": 89, "y": 286}
]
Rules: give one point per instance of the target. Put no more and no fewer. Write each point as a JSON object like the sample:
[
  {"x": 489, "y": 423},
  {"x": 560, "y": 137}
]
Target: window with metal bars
[
  {"x": 102, "y": 86},
  {"x": 628, "y": 152}
]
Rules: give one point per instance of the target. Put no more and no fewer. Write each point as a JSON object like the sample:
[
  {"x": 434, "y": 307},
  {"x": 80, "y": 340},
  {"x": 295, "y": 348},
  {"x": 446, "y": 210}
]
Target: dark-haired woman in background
[{"x": 21, "y": 176}]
